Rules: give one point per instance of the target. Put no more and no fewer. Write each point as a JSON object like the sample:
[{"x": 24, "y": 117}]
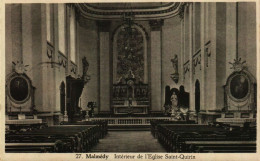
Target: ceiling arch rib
[{"x": 99, "y": 12}]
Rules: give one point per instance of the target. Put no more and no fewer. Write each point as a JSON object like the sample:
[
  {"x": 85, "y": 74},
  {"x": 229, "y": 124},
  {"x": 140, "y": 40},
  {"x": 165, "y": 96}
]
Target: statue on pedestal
[
  {"x": 85, "y": 66},
  {"x": 175, "y": 74},
  {"x": 175, "y": 111}
]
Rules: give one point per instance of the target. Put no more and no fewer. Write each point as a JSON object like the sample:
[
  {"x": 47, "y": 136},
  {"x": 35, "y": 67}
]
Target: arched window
[
  {"x": 130, "y": 53},
  {"x": 49, "y": 23},
  {"x": 61, "y": 24},
  {"x": 72, "y": 35}
]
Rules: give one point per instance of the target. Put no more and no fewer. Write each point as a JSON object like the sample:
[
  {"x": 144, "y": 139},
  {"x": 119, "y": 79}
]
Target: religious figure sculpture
[
  {"x": 175, "y": 64},
  {"x": 85, "y": 66},
  {"x": 175, "y": 74},
  {"x": 176, "y": 103},
  {"x": 175, "y": 112}
]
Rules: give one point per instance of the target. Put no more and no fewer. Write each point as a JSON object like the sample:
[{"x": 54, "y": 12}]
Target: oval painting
[
  {"x": 19, "y": 89},
  {"x": 239, "y": 86}
]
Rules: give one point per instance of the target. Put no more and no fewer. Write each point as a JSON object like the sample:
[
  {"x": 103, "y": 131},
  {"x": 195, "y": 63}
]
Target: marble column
[{"x": 156, "y": 65}]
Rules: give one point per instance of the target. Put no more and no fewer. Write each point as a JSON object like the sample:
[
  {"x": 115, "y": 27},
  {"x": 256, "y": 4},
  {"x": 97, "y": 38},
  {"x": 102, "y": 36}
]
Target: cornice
[{"x": 143, "y": 13}]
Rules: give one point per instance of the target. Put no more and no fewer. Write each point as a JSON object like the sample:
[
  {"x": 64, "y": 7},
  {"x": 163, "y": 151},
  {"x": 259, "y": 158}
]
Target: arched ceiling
[{"x": 140, "y": 11}]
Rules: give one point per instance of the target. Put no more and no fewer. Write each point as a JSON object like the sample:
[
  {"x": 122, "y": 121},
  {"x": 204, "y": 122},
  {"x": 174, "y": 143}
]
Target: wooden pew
[
  {"x": 102, "y": 124},
  {"x": 173, "y": 137},
  {"x": 75, "y": 138},
  {"x": 42, "y": 147},
  {"x": 221, "y": 146},
  {"x": 154, "y": 124},
  {"x": 78, "y": 132}
]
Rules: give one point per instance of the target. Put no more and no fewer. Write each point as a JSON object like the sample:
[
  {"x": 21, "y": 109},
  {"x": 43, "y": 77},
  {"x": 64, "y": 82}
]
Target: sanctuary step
[{"x": 128, "y": 141}]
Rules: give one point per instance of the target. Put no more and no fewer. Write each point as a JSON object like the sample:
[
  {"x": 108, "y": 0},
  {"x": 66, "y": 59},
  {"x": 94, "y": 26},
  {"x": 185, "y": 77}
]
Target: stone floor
[{"x": 128, "y": 141}]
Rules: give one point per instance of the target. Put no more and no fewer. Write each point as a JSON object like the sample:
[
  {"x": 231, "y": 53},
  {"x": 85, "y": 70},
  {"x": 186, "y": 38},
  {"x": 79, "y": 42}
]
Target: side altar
[{"x": 239, "y": 96}]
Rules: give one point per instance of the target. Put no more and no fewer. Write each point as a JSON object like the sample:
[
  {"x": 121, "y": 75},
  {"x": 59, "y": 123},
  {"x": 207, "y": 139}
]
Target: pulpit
[{"x": 74, "y": 90}]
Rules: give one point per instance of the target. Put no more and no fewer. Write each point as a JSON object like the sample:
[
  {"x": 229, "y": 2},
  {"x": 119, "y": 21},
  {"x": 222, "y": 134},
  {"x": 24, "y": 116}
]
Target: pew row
[
  {"x": 59, "y": 138},
  {"x": 204, "y": 138},
  {"x": 154, "y": 124}
]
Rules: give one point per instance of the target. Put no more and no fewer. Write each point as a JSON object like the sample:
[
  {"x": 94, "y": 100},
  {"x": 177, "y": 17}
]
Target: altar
[
  {"x": 239, "y": 96},
  {"x": 138, "y": 109},
  {"x": 130, "y": 97}
]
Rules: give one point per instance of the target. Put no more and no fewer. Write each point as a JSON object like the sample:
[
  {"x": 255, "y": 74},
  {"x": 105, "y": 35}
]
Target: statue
[
  {"x": 175, "y": 64},
  {"x": 175, "y": 74},
  {"x": 85, "y": 66},
  {"x": 174, "y": 103},
  {"x": 175, "y": 112}
]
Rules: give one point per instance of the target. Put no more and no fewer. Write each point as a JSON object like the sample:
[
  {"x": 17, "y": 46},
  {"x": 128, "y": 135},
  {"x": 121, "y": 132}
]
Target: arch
[
  {"x": 197, "y": 96},
  {"x": 115, "y": 50}
]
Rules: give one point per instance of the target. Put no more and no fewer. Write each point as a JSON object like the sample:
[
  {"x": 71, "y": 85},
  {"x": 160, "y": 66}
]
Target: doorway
[
  {"x": 197, "y": 96},
  {"x": 62, "y": 97}
]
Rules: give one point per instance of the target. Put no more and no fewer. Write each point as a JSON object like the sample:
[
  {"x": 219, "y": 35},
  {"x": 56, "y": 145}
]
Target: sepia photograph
[{"x": 130, "y": 80}]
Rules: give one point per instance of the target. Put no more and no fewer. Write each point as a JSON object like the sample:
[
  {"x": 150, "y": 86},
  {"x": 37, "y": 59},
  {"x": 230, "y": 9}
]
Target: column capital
[
  {"x": 156, "y": 25},
  {"x": 103, "y": 26},
  {"x": 182, "y": 9}
]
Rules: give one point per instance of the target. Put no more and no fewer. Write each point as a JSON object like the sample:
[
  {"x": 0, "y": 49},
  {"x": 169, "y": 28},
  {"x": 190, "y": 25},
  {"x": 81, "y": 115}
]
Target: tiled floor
[{"x": 128, "y": 141}]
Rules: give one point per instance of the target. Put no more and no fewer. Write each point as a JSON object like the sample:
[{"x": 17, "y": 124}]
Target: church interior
[{"x": 130, "y": 77}]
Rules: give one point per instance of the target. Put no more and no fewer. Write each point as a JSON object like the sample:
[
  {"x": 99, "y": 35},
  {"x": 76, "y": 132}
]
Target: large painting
[
  {"x": 19, "y": 89},
  {"x": 239, "y": 86}
]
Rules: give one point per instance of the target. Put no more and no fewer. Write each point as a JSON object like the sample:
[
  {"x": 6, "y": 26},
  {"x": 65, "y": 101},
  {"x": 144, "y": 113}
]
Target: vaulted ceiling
[{"x": 140, "y": 11}]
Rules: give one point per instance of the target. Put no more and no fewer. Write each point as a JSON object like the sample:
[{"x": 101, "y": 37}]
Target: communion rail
[{"x": 129, "y": 120}]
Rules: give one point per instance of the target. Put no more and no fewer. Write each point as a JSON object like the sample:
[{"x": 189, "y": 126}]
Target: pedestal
[{"x": 65, "y": 117}]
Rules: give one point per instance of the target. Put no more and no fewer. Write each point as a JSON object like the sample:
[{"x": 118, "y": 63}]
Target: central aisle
[{"x": 128, "y": 141}]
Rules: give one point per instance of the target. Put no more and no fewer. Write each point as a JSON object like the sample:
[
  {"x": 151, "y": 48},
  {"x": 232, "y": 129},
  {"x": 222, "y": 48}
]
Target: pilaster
[
  {"x": 104, "y": 65},
  {"x": 156, "y": 65}
]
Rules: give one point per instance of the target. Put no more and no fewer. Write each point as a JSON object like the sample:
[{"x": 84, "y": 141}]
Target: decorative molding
[
  {"x": 62, "y": 60},
  {"x": 50, "y": 50},
  {"x": 19, "y": 67},
  {"x": 238, "y": 65},
  {"x": 182, "y": 9},
  {"x": 73, "y": 68},
  {"x": 107, "y": 13},
  {"x": 207, "y": 52},
  {"x": 196, "y": 60},
  {"x": 115, "y": 30},
  {"x": 186, "y": 67}
]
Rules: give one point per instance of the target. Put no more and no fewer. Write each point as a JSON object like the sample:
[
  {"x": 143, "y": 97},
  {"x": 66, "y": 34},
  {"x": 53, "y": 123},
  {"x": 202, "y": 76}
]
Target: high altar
[{"x": 130, "y": 97}]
